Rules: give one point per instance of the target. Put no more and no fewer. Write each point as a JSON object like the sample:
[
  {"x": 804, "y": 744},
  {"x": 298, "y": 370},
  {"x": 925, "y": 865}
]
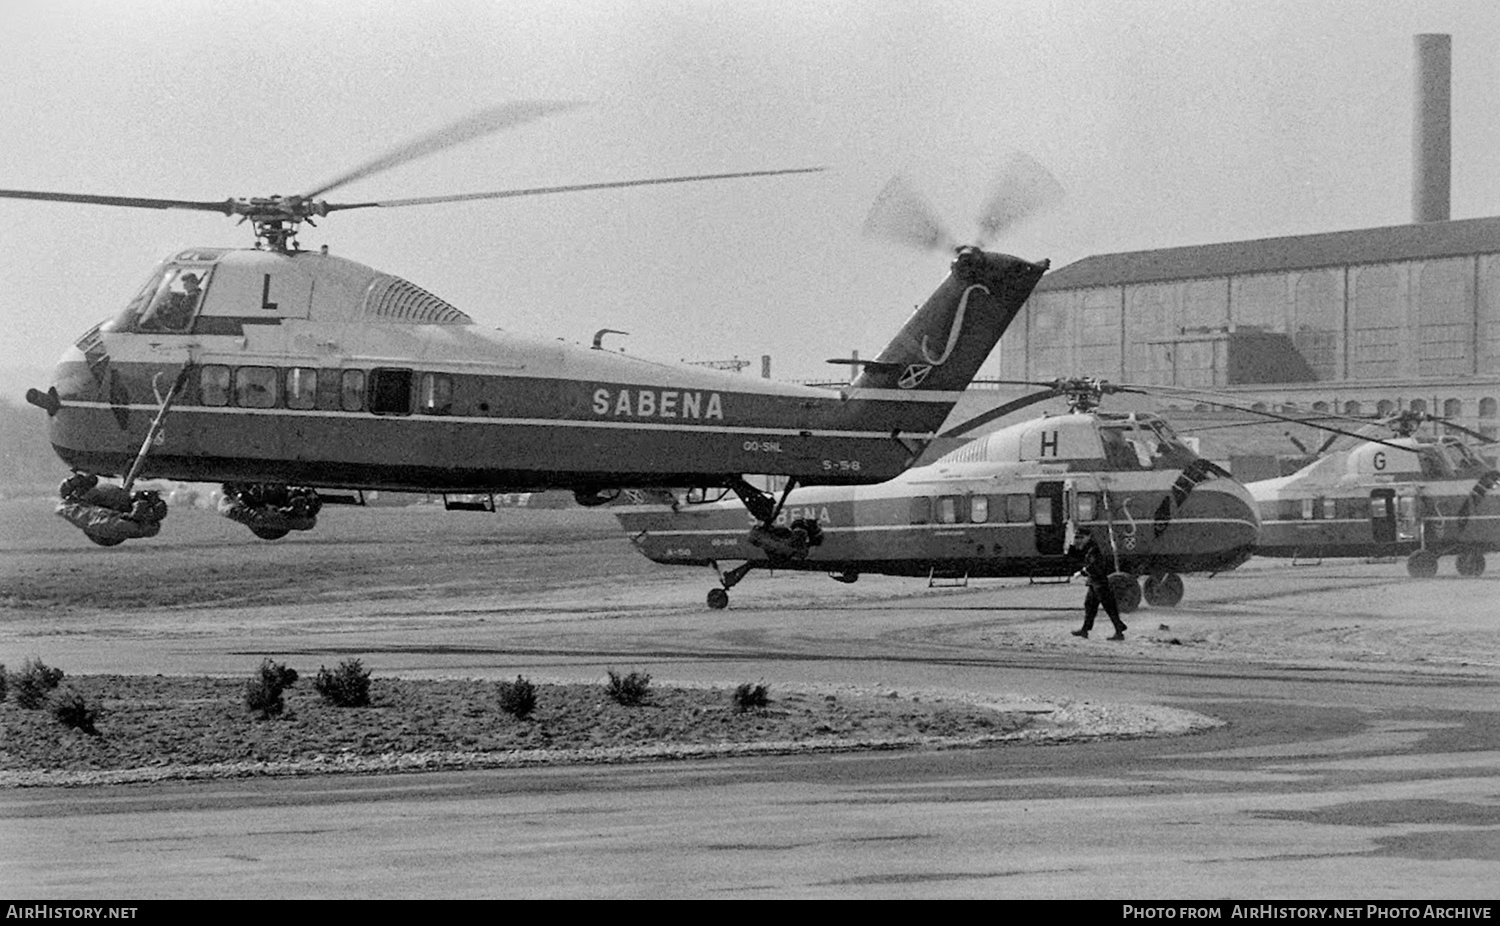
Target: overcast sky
[{"x": 1166, "y": 122}]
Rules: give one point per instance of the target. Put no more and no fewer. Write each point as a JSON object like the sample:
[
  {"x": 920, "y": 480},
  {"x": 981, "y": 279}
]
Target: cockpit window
[
  {"x": 1144, "y": 445},
  {"x": 167, "y": 303},
  {"x": 175, "y": 303}
]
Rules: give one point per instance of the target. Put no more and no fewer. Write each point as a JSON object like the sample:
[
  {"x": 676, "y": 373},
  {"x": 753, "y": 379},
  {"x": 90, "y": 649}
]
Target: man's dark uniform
[{"x": 1095, "y": 566}]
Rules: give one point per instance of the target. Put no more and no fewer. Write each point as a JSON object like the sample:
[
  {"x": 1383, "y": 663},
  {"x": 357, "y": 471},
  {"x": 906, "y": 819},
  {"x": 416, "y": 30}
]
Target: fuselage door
[
  {"x": 1383, "y": 515},
  {"x": 1051, "y": 518}
]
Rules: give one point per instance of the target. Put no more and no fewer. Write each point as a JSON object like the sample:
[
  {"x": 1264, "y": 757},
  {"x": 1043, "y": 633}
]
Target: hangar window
[
  {"x": 390, "y": 392},
  {"x": 1486, "y": 408},
  {"x": 1419, "y": 405},
  {"x": 979, "y": 509},
  {"x": 1385, "y": 407},
  {"x": 301, "y": 388},
  {"x": 255, "y": 387},
  {"x": 213, "y": 385},
  {"x": 1453, "y": 408},
  {"x": 1352, "y": 408},
  {"x": 352, "y": 390}
]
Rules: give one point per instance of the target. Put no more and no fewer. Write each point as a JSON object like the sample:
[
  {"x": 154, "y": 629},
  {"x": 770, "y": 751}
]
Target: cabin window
[
  {"x": 1043, "y": 514},
  {"x": 213, "y": 385},
  {"x": 1018, "y": 508},
  {"x": 921, "y": 510},
  {"x": 1329, "y": 508},
  {"x": 255, "y": 387},
  {"x": 1307, "y": 508},
  {"x": 437, "y": 394},
  {"x": 1088, "y": 506},
  {"x": 979, "y": 509},
  {"x": 352, "y": 391},
  {"x": 950, "y": 509},
  {"x": 390, "y": 392},
  {"x": 1349, "y": 508},
  {"x": 301, "y": 388}
]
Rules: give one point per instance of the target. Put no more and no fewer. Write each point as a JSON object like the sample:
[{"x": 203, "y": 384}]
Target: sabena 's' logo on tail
[
  {"x": 953, "y": 333},
  {"x": 946, "y": 340},
  {"x": 916, "y": 373}
]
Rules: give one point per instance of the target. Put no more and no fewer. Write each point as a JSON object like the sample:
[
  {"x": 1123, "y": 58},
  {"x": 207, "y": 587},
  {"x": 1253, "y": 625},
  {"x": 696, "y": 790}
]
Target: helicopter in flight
[
  {"x": 292, "y": 375},
  {"x": 1006, "y": 504},
  {"x": 1407, "y": 494}
]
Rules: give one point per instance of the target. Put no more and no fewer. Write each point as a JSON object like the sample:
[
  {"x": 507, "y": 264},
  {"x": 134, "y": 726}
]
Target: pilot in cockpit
[{"x": 173, "y": 310}]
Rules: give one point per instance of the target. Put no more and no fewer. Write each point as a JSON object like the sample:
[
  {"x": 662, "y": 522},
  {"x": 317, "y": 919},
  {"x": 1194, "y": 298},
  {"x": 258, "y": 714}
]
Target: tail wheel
[
  {"x": 718, "y": 599},
  {"x": 1470, "y": 563},
  {"x": 1127, "y": 591},
  {"x": 104, "y": 541},
  {"x": 1423, "y": 564},
  {"x": 269, "y": 533}
]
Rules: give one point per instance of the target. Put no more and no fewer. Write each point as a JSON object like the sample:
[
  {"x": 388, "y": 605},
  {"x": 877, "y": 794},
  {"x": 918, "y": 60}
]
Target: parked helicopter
[
  {"x": 1409, "y": 495},
  {"x": 1003, "y": 505},
  {"x": 285, "y": 373}
]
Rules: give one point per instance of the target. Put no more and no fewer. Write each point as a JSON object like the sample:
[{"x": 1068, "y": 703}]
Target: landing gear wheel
[
  {"x": 269, "y": 533},
  {"x": 718, "y": 599},
  {"x": 1470, "y": 563},
  {"x": 1164, "y": 591},
  {"x": 1423, "y": 564},
  {"x": 104, "y": 541},
  {"x": 1127, "y": 591}
]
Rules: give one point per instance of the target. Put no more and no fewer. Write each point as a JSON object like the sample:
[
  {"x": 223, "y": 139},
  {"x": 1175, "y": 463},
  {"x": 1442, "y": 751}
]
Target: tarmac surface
[{"x": 1351, "y": 748}]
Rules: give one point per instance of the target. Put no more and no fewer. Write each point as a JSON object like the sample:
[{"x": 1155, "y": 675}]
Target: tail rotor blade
[
  {"x": 903, "y": 215},
  {"x": 1021, "y": 189}
]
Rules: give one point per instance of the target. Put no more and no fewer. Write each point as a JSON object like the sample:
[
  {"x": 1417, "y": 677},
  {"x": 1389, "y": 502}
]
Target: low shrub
[
  {"x": 518, "y": 698},
  {"x": 629, "y": 690},
  {"x": 749, "y": 697},
  {"x": 264, "y": 688},
  {"x": 34, "y": 682},
  {"x": 71, "y": 710},
  {"x": 3, "y": 683},
  {"x": 346, "y": 686}
]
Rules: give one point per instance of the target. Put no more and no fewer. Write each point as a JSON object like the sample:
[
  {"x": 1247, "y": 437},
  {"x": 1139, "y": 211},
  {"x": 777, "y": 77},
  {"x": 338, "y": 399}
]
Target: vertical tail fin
[{"x": 943, "y": 345}]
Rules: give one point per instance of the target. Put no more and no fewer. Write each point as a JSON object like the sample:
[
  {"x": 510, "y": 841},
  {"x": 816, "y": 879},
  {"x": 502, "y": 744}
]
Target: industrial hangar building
[{"x": 1361, "y": 322}]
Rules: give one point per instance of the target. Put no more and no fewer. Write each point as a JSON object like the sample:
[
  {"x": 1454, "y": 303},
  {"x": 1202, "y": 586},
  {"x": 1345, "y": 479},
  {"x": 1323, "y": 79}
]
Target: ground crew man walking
[{"x": 1094, "y": 566}]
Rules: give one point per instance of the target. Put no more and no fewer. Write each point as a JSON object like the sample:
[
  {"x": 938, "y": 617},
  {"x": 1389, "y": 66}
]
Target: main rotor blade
[
  {"x": 1463, "y": 430},
  {"x": 902, "y": 215},
  {"x": 538, "y": 191},
  {"x": 1022, "y": 188},
  {"x": 1000, "y": 411},
  {"x": 1199, "y": 397},
  {"x": 484, "y": 122},
  {"x": 138, "y": 202}
]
